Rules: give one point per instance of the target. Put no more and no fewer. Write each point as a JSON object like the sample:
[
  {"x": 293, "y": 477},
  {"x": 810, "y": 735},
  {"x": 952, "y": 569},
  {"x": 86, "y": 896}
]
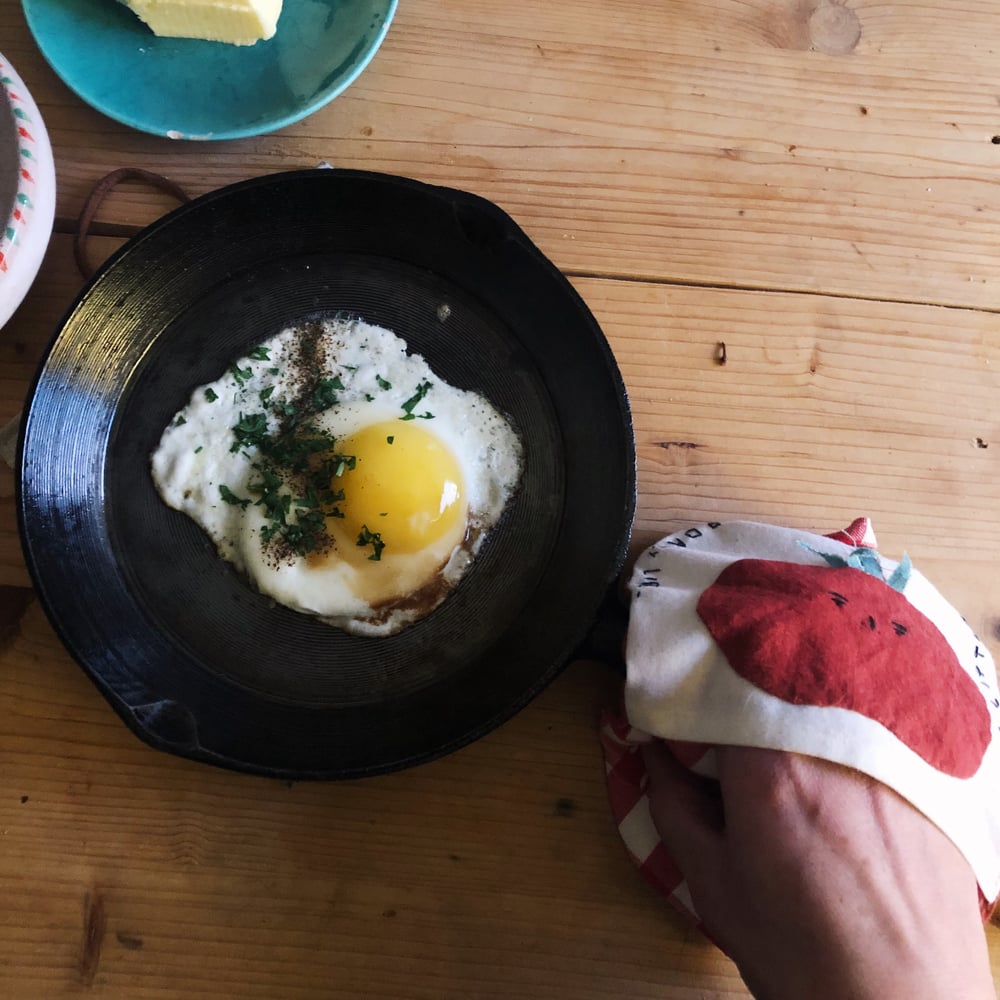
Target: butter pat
[{"x": 238, "y": 22}]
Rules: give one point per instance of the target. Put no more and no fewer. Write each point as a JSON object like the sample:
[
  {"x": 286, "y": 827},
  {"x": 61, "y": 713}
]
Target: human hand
[{"x": 819, "y": 881}]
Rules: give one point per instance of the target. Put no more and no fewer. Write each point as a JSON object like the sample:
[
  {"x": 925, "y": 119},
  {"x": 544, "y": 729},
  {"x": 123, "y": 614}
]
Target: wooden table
[{"x": 813, "y": 185}]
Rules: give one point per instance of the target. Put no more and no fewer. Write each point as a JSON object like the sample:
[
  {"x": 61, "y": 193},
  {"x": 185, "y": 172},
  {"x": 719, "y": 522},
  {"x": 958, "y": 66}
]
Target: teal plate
[{"x": 184, "y": 88}]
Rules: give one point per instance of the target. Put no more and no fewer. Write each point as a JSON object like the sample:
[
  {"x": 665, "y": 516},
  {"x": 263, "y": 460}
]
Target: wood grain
[
  {"x": 708, "y": 143},
  {"x": 826, "y": 409},
  {"x": 811, "y": 184}
]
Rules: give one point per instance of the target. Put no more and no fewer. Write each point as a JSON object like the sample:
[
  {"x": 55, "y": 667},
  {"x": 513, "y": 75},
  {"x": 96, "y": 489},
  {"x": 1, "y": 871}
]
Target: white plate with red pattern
[{"x": 27, "y": 190}]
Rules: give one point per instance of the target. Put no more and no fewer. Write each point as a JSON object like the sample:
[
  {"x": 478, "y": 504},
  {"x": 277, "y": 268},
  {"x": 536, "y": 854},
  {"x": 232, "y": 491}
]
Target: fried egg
[{"x": 340, "y": 474}]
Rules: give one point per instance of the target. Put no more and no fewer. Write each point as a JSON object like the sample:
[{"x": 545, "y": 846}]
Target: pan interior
[{"x": 210, "y": 610}]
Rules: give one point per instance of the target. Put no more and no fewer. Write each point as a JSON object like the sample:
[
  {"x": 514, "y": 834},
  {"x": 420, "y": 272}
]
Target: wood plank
[
  {"x": 703, "y": 143},
  {"x": 826, "y": 409}
]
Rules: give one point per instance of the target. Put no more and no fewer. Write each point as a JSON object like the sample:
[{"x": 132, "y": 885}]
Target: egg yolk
[{"x": 405, "y": 485}]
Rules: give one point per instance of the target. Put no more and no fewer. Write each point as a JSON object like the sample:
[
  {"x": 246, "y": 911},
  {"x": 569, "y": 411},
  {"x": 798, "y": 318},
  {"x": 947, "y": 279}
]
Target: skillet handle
[
  {"x": 168, "y": 724},
  {"x": 605, "y": 641}
]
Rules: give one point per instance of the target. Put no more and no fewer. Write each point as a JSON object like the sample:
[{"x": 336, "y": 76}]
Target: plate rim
[{"x": 257, "y": 127}]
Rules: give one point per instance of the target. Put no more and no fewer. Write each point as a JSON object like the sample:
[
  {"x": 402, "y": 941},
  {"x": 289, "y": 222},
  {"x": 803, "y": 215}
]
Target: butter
[{"x": 238, "y": 22}]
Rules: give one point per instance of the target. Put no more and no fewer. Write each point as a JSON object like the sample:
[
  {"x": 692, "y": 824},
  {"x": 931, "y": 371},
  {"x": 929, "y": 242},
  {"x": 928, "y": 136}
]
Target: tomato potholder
[{"x": 755, "y": 635}]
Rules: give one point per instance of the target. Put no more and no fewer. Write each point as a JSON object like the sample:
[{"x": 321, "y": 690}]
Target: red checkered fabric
[{"x": 626, "y": 774}]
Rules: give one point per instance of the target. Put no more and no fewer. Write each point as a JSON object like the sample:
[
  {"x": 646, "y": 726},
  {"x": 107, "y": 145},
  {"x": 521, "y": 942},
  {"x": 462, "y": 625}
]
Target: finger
[{"x": 687, "y": 812}]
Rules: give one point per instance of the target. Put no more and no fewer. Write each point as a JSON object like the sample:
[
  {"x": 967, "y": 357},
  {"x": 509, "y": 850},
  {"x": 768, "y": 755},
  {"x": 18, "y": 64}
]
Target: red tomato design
[{"x": 828, "y": 636}]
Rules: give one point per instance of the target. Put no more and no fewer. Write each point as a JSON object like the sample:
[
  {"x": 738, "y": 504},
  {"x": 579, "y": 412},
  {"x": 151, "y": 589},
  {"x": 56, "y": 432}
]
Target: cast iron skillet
[{"x": 192, "y": 658}]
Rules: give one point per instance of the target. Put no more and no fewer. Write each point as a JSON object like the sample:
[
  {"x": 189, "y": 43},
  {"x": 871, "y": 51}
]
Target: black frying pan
[{"x": 193, "y": 659}]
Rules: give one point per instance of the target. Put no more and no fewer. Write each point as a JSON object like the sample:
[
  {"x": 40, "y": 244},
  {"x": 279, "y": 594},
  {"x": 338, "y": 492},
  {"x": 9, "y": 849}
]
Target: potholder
[{"x": 754, "y": 635}]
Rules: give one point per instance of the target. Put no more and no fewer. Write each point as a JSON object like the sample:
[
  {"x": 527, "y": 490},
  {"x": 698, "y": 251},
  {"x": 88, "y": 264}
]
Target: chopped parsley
[
  {"x": 240, "y": 374},
  {"x": 422, "y": 389},
  {"x": 250, "y": 431},
  {"x": 299, "y": 447},
  {"x": 305, "y": 534},
  {"x": 374, "y": 539},
  {"x": 179, "y": 422},
  {"x": 289, "y": 476},
  {"x": 295, "y": 465},
  {"x": 344, "y": 463},
  {"x": 293, "y": 474},
  {"x": 211, "y": 395},
  {"x": 324, "y": 394},
  {"x": 276, "y": 504},
  {"x": 389, "y": 439},
  {"x": 410, "y": 404},
  {"x": 199, "y": 448},
  {"x": 290, "y": 411},
  {"x": 231, "y": 498}
]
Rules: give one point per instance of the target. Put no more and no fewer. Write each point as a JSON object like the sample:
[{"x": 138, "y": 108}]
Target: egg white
[{"x": 195, "y": 462}]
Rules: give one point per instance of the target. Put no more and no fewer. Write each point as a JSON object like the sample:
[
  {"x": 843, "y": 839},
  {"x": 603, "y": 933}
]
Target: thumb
[{"x": 687, "y": 812}]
